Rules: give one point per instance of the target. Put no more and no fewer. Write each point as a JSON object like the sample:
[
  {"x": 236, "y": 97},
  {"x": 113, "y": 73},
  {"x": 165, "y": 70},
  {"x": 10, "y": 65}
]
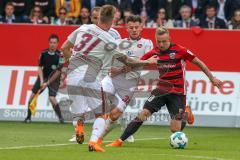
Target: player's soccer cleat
[
  {"x": 73, "y": 139},
  {"x": 116, "y": 143},
  {"x": 190, "y": 116},
  {"x": 100, "y": 141},
  {"x": 80, "y": 132},
  {"x": 94, "y": 147},
  {"x": 130, "y": 139}
]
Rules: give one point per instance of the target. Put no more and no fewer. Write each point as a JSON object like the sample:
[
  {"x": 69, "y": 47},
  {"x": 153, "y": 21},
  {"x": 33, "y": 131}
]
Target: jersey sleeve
[
  {"x": 73, "y": 36},
  {"x": 188, "y": 55},
  {"x": 149, "y": 46},
  {"x": 148, "y": 55}
]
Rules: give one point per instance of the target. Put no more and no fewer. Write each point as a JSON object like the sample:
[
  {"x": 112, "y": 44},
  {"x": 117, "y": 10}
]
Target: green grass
[{"x": 204, "y": 143}]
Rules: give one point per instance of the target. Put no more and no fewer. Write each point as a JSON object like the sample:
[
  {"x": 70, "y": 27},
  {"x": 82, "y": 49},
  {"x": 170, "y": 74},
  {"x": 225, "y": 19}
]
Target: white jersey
[
  {"x": 136, "y": 50},
  {"x": 90, "y": 43},
  {"x": 114, "y": 33}
]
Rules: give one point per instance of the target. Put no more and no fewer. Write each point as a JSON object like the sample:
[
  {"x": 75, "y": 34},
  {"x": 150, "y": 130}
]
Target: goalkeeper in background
[{"x": 48, "y": 62}]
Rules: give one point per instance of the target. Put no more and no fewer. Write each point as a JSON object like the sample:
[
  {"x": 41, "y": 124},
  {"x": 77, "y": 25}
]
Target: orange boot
[
  {"x": 190, "y": 116},
  {"x": 116, "y": 143},
  {"x": 94, "y": 147},
  {"x": 80, "y": 132}
]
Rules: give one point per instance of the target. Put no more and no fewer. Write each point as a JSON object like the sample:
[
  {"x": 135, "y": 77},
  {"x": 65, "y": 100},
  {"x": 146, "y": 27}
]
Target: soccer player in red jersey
[{"x": 171, "y": 89}]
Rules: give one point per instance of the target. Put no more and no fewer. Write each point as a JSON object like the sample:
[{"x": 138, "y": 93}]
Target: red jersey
[{"x": 171, "y": 66}]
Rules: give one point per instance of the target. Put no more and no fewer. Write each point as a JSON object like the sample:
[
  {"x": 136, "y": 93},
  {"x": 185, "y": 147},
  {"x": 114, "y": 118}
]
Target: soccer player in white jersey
[
  {"x": 92, "y": 58},
  {"x": 123, "y": 85},
  {"x": 114, "y": 33}
]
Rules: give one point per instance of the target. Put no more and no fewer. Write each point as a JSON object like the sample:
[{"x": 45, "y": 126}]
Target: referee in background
[{"x": 48, "y": 62}]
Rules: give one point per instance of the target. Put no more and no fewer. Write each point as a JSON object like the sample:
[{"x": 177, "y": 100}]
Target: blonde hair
[
  {"x": 107, "y": 13},
  {"x": 161, "y": 31}
]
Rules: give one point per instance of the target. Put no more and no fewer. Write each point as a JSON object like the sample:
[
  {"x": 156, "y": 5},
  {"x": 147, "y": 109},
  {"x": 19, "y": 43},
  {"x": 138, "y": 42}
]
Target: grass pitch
[{"x": 49, "y": 141}]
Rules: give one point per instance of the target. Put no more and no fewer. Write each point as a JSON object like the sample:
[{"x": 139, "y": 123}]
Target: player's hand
[
  {"x": 114, "y": 71},
  {"x": 216, "y": 82}
]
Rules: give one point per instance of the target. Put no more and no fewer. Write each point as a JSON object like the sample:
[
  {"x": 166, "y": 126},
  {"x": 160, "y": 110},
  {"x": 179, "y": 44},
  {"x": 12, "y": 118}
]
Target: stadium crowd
[{"x": 211, "y": 14}]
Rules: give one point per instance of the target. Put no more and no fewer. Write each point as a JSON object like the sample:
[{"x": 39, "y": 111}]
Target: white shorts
[
  {"x": 85, "y": 96},
  {"x": 119, "y": 90}
]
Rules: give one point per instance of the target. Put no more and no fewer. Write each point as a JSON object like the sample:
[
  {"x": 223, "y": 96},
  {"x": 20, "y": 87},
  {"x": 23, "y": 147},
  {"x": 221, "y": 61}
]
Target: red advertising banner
[{"x": 22, "y": 44}]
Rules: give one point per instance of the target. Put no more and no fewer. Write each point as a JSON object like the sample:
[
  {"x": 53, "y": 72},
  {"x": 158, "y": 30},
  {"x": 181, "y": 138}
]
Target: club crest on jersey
[
  {"x": 129, "y": 53},
  {"x": 172, "y": 55},
  {"x": 139, "y": 45}
]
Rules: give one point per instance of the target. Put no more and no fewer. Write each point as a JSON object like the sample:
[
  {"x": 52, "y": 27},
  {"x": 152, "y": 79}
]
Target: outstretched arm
[{"x": 216, "y": 82}]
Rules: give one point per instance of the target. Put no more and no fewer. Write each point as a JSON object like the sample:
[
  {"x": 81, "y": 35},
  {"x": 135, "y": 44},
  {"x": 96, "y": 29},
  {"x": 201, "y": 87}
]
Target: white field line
[
  {"x": 65, "y": 144},
  {"x": 191, "y": 156}
]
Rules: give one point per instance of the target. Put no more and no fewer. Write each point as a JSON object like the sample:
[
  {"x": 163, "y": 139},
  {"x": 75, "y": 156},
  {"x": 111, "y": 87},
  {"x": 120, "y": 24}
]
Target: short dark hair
[
  {"x": 134, "y": 18},
  {"x": 97, "y": 9},
  {"x": 211, "y": 6},
  {"x": 53, "y": 36}
]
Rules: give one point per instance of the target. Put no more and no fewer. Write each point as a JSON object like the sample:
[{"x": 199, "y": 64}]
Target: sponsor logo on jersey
[
  {"x": 151, "y": 98},
  {"x": 129, "y": 53},
  {"x": 53, "y": 67},
  {"x": 172, "y": 55}
]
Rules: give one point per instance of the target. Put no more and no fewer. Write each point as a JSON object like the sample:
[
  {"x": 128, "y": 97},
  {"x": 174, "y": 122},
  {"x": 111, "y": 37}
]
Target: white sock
[
  {"x": 109, "y": 126},
  {"x": 98, "y": 128}
]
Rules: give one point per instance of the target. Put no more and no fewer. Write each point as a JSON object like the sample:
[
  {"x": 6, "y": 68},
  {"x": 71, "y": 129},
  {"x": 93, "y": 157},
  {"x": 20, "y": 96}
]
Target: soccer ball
[{"x": 178, "y": 140}]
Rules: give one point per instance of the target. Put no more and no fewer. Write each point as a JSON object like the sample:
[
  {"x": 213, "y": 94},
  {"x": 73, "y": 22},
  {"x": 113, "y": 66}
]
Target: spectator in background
[
  {"x": 126, "y": 14},
  {"x": 198, "y": 8},
  {"x": 62, "y": 18},
  {"x": 36, "y": 16},
  {"x": 84, "y": 17},
  {"x": 1, "y": 8},
  {"x": 47, "y": 7},
  {"x": 144, "y": 19},
  {"x": 122, "y": 5},
  {"x": 21, "y": 8},
  {"x": 186, "y": 20},
  {"x": 95, "y": 15},
  {"x": 225, "y": 8},
  {"x": 150, "y": 8},
  {"x": 235, "y": 22},
  {"x": 73, "y": 7},
  {"x": 117, "y": 21},
  {"x": 212, "y": 21},
  {"x": 90, "y": 4},
  {"x": 172, "y": 7},
  {"x": 162, "y": 19},
  {"x": 9, "y": 16}
]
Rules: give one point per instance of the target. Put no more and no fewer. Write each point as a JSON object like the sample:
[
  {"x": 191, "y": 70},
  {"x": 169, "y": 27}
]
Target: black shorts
[
  {"x": 52, "y": 88},
  {"x": 175, "y": 104}
]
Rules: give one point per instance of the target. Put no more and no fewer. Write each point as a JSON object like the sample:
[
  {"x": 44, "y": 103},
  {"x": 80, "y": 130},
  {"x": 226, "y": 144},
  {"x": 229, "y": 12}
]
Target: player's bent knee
[
  {"x": 144, "y": 115},
  {"x": 115, "y": 114}
]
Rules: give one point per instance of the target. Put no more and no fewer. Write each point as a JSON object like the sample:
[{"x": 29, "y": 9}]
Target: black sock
[
  {"x": 132, "y": 127},
  {"x": 183, "y": 125},
  {"x": 29, "y": 114},
  {"x": 57, "y": 110}
]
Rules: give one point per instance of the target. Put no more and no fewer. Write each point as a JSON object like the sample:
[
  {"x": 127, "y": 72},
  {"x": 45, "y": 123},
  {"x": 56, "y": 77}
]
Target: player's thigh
[
  {"x": 107, "y": 86},
  {"x": 155, "y": 101},
  {"x": 175, "y": 105}
]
